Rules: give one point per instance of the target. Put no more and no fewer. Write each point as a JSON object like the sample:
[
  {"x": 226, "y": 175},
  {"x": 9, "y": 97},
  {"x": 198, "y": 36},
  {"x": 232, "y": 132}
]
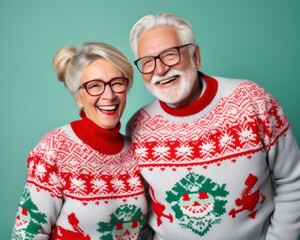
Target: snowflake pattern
[
  {"x": 82, "y": 173},
  {"x": 230, "y": 130}
]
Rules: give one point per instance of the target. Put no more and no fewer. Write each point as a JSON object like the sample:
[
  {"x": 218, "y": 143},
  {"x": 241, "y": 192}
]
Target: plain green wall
[{"x": 257, "y": 40}]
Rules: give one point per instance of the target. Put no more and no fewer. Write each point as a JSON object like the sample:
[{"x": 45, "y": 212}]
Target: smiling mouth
[
  {"x": 168, "y": 80},
  {"x": 108, "y": 108}
]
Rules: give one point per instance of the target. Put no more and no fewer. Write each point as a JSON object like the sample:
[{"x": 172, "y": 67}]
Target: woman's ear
[{"x": 79, "y": 102}]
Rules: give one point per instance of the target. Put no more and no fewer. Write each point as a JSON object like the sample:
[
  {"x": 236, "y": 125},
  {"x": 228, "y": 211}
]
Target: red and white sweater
[
  {"x": 83, "y": 183},
  {"x": 210, "y": 165}
]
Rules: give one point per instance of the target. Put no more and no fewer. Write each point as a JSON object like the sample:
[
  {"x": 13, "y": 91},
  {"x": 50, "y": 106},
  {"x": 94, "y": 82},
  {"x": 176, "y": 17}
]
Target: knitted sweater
[
  {"x": 83, "y": 183},
  {"x": 210, "y": 165}
]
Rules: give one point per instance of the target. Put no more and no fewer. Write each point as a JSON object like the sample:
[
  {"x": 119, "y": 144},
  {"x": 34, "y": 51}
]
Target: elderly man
[{"x": 218, "y": 154}]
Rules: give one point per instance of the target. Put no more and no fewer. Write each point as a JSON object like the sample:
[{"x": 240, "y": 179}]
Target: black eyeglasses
[
  {"x": 96, "y": 87},
  {"x": 169, "y": 57}
]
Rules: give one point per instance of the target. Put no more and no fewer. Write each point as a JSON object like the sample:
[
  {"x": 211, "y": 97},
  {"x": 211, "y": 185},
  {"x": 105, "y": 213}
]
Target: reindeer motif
[
  {"x": 60, "y": 233},
  {"x": 249, "y": 200},
  {"x": 159, "y": 209}
]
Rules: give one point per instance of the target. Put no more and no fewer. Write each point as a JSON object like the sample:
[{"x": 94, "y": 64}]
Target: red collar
[
  {"x": 200, "y": 104},
  {"x": 107, "y": 141}
]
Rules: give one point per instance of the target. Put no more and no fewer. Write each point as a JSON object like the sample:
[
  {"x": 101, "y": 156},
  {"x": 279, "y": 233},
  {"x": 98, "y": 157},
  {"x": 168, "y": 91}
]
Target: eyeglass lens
[
  {"x": 168, "y": 57},
  {"x": 97, "y": 87}
]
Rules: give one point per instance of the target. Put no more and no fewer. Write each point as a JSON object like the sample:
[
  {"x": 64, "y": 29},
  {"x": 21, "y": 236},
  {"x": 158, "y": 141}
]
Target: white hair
[
  {"x": 183, "y": 28},
  {"x": 69, "y": 63}
]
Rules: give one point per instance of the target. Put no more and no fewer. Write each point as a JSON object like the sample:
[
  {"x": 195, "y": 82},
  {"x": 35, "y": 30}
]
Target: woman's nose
[{"x": 108, "y": 93}]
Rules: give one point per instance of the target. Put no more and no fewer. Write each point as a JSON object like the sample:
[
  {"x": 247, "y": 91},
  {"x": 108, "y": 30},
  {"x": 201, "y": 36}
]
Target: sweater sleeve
[
  {"x": 41, "y": 199},
  {"x": 284, "y": 162},
  {"x": 283, "y": 157}
]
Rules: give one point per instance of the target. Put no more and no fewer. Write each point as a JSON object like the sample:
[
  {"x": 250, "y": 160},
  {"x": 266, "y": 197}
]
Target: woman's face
[{"x": 105, "y": 110}]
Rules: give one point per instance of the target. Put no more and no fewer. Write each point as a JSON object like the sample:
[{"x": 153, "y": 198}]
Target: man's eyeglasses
[
  {"x": 96, "y": 87},
  {"x": 169, "y": 57}
]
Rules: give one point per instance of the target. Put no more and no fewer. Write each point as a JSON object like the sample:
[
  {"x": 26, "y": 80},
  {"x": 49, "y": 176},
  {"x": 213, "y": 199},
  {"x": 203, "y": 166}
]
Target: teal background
[{"x": 257, "y": 40}]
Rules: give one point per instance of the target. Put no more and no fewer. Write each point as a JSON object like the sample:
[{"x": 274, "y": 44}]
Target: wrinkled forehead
[{"x": 153, "y": 41}]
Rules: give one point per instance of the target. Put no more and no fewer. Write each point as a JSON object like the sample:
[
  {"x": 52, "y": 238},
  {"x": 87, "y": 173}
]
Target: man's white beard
[{"x": 180, "y": 91}]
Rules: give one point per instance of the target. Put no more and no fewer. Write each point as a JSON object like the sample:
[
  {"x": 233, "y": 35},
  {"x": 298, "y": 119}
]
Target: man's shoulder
[
  {"x": 236, "y": 84},
  {"x": 227, "y": 80}
]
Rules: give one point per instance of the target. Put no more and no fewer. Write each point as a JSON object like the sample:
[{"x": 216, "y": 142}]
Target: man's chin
[
  {"x": 169, "y": 97},
  {"x": 168, "y": 100}
]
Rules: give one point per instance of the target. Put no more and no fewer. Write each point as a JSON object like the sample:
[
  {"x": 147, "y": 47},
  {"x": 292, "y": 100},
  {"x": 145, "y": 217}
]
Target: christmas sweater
[
  {"x": 83, "y": 183},
  {"x": 212, "y": 166}
]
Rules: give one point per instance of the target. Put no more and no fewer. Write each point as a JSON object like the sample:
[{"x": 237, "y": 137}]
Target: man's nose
[{"x": 160, "y": 68}]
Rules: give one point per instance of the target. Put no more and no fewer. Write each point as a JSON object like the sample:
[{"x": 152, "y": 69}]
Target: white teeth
[
  {"x": 166, "y": 80},
  {"x": 107, "y": 108}
]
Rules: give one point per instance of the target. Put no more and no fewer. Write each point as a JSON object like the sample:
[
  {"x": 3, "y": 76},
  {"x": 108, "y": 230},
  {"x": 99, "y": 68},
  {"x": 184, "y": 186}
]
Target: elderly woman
[{"x": 83, "y": 180}]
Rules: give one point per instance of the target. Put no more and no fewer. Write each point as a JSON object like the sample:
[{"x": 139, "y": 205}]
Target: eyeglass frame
[
  {"x": 158, "y": 57},
  {"x": 84, "y": 85}
]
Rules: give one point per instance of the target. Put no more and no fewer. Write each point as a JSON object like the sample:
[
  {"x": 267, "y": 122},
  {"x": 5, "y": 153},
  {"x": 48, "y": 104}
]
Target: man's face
[{"x": 177, "y": 84}]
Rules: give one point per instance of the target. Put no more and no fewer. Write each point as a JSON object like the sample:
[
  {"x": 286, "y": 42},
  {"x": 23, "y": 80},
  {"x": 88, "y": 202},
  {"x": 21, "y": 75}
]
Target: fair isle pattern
[
  {"x": 80, "y": 173},
  {"x": 29, "y": 218},
  {"x": 229, "y": 131}
]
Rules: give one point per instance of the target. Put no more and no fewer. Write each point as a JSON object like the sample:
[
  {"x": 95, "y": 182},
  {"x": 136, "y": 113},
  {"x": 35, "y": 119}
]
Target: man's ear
[{"x": 197, "y": 56}]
